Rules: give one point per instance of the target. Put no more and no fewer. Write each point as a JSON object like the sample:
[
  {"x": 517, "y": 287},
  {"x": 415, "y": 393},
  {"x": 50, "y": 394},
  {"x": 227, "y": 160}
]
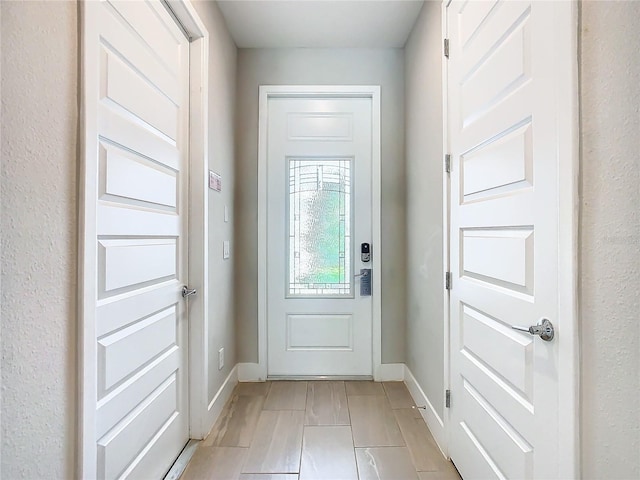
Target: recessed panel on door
[
  {"x": 128, "y": 262},
  {"x": 127, "y": 350},
  {"x": 135, "y": 94},
  {"x": 132, "y": 178},
  {"x": 133, "y": 391},
  {"x": 502, "y": 257},
  {"x": 320, "y": 332},
  {"x": 510, "y": 451},
  {"x": 320, "y": 126},
  {"x": 500, "y": 166},
  {"x": 119, "y": 447},
  {"x": 489, "y": 340}
]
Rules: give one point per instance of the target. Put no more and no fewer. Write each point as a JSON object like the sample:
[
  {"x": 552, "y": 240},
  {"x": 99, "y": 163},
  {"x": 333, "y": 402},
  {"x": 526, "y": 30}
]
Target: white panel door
[
  {"x": 504, "y": 141},
  {"x": 319, "y": 212},
  {"x": 136, "y": 210}
]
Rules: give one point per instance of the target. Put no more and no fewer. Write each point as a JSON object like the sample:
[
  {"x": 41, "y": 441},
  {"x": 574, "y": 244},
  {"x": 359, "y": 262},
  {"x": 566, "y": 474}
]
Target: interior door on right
[{"x": 503, "y": 134}]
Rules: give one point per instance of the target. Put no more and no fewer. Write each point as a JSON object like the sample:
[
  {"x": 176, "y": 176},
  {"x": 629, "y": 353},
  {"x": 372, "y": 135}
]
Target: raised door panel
[
  {"x": 128, "y": 89},
  {"x": 319, "y": 332},
  {"x": 128, "y": 439},
  {"x": 148, "y": 21},
  {"x": 125, "y": 351},
  {"x": 127, "y": 263}
]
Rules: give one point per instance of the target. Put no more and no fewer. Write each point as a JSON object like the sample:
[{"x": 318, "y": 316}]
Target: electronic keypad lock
[{"x": 365, "y": 252}]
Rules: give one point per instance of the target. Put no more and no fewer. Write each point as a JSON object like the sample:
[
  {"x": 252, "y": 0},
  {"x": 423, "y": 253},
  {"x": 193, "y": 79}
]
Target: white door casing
[
  {"x": 285, "y": 356},
  {"x": 134, "y": 331},
  {"x": 511, "y": 133}
]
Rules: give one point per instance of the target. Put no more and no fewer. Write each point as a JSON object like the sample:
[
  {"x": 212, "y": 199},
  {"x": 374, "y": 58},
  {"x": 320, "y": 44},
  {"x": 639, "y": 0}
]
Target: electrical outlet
[{"x": 220, "y": 358}]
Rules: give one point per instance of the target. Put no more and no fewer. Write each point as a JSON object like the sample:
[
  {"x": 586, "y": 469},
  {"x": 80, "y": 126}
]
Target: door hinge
[
  {"x": 447, "y": 163},
  {"x": 446, "y": 47},
  {"x": 447, "y": 398},
  {"x": 447, "y": 281}
]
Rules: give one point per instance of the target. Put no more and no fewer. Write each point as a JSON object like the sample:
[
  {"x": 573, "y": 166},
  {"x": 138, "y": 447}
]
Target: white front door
[
  {"x": 135, "y": 219},
  {"x": 319, "y": 170},
  {"x": 504, "y": 132}
]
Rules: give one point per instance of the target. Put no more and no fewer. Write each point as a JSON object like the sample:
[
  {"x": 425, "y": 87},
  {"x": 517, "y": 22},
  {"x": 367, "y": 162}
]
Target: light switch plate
[
  {"x": 220, "y": 358},
  {"x": 226, "y": 213},
  {"x": 225, "y": 249}
]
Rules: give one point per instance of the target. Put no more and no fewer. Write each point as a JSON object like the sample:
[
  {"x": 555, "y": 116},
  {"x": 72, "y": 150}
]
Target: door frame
[
  {"x": 567, "y": 122},
  {"x": 441, "y": 429},
  {"x": 259, "y": 372},
  {"x": 201, "y": 418}
]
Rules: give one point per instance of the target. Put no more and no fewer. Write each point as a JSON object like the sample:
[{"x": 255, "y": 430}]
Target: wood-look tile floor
[{"x": 325, "y": 430}]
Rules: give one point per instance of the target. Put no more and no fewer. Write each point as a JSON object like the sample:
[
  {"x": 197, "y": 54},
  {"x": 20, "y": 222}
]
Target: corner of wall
[
  {"x": 426, "y": 334},
  {"x": 434, "y": 422}
]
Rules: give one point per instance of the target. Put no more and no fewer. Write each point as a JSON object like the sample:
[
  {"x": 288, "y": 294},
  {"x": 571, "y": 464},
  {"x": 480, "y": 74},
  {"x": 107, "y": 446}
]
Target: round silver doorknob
[
  {"x": 187, "y": 292},
  {"x": 544, "y": 329}
]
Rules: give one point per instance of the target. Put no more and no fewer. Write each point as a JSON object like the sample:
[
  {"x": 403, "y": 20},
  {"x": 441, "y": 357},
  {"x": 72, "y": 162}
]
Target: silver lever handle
[
  {"x": 364, "y": 274},
  {"x": 544, "y": 329},
  {"x": 187, "y": 292}
]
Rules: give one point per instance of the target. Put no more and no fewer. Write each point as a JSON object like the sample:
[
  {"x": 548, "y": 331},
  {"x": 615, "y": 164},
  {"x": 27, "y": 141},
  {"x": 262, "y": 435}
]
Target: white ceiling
[{"x": 320, "y": 23}]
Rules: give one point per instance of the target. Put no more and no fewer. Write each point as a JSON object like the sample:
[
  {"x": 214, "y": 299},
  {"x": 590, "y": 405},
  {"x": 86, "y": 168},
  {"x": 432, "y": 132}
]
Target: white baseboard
[
  {"x": 389, "y": 372},
  {"x": 386, "y": 372},
  {"x": 214, "y": 409},
  {"x": 250, "y": 372},
  {"x": 431, "y": 417}
]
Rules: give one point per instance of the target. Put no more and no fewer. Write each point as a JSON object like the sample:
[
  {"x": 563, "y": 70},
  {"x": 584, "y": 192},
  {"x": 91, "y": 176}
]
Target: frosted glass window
[{"x": 319, "y": 220}]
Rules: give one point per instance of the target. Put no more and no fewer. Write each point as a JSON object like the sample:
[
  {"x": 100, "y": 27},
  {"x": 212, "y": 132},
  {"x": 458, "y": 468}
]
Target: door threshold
[
  {"x": 277, "y": 378},
  {"x": 180, "y": 465}
]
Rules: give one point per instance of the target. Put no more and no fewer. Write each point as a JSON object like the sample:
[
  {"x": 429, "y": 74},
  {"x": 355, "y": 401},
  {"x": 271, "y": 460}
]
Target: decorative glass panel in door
[{"x": 319, "y": 227}]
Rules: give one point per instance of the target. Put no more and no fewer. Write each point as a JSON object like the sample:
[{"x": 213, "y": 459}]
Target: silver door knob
[
  {"x": 187, "y": 292},
  {"x": 544, "y": 329}
]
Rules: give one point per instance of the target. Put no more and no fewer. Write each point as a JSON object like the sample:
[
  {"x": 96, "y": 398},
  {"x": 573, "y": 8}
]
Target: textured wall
[
  {"x": 322, "y": 67},
  {"x": 222, "y": 94},
  {"x": 425, "y": 273},
  {"x": 39, "y": 121},
  {"x": 610, "y": 239}
]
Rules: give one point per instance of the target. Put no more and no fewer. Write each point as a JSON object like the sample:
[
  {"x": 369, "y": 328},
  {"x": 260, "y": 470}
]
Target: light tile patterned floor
[{"x": 325, "y": 430}]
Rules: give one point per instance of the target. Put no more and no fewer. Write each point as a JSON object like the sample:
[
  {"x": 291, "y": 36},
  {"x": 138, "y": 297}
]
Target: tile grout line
[{"x": 304, "y": 429}]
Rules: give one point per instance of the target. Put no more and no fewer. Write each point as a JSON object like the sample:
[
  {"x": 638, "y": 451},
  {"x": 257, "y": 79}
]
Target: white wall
[
  {"x": 222, "y": 94},
  {"x": 610, "y": 240},
  {"x": 382, "y": 67},
  {"x": 425, "y": 273},
  {"x": 39, "y": 121}
]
